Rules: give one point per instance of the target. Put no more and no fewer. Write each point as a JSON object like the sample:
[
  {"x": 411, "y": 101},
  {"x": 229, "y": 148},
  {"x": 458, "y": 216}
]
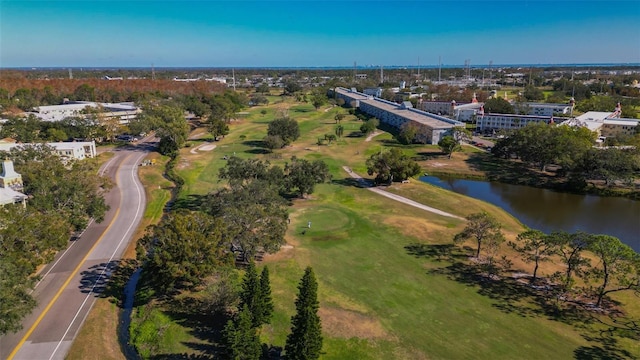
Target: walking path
[
  {"x": 375, "y": 133},
  {"x": 399, "y": 198}
]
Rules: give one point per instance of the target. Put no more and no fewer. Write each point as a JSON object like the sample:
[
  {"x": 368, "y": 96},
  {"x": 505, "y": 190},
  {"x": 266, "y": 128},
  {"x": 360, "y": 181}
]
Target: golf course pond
[{"x": 549, "y": 210}]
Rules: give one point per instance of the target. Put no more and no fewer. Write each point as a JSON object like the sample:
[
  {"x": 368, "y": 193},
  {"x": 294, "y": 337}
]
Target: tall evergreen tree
[
  {"x": 250, "y": 294},
  {"x": 265, "y": 297},
  {"x": 240, "y": 339},
  {"x": 305, "y": 340}
]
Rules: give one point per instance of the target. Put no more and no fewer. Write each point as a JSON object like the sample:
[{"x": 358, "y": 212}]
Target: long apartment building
[
  {"x": 494, "y": 122},
  {"x": 124, "y": 112},
  {"x": 431, "y": 127},
  {"x": 67, "y": 150}
]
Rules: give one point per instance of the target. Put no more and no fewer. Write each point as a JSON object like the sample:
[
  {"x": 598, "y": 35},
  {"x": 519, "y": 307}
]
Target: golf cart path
[
  {"x": 375, "y": 133},
  {"x": 399, "y": 198}
]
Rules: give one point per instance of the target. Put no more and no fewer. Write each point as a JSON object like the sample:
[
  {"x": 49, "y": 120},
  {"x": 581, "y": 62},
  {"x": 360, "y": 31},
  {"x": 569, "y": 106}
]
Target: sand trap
[
  {"x": 202, "y": 147},
  {"x": 207, "y": 147}
]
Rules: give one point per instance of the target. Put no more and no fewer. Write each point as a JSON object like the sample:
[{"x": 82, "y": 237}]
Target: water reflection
[{"x": 548, "y": 210}]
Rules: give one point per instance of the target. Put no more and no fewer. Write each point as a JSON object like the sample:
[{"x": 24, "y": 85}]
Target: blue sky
[{"x": 310, "y": 33}]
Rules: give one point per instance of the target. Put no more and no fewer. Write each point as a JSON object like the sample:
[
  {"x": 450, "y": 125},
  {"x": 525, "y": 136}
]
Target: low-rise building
[
  {"x": 68, "y": 150},
  {"x": 605, "y": 124},
  {"x": 431, "y": 127},
  {"x": 10, "y": 185},
  {"x": 124, "y": 112},
  {"x": 548, "y": 110},
  {"x": 494, "y": 122}
]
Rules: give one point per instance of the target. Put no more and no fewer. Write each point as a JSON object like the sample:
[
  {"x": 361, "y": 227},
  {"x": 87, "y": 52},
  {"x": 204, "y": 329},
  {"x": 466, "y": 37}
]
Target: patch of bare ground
[
  {"x": 183, "y": 163},
  {"x": 419, "y": 229},
  {"x": 409, "y": 353},
  {"x": 349, "y": 324},
  {"x": 286, "y": 252}
]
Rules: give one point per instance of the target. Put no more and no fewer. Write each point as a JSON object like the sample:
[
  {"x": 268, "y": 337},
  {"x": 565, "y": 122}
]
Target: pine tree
[
  {"x": 266, "y": 301},
  {"x": 305, "y": 340},
  {"x": 240, "y": 338},
  {"x": 250, "y": 295}
]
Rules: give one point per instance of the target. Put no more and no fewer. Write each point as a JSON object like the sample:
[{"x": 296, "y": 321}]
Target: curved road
[{"x": 72, "y": 282}]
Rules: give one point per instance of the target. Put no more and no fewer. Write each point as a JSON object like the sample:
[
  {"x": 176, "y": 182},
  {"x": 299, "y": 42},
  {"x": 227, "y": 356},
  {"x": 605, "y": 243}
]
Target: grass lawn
[
  {"x": 379, "y": 298},
  {"x": 391, "y": 286}
]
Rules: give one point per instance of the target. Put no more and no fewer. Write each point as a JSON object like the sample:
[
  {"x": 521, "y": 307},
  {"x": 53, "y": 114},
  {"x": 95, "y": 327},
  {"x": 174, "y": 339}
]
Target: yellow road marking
[{"x": 66, "y": 283}]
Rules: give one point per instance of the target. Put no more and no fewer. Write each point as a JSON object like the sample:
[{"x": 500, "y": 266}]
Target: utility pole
[
  {"x": 233, "y": 75},
  {"x": 355, "y": 72},
  {"x": 418, "y": 66},
  {"x": 490, "y": 72},
  {"x": 381, "y": 75},
  {"x": 439, "y": 68}
]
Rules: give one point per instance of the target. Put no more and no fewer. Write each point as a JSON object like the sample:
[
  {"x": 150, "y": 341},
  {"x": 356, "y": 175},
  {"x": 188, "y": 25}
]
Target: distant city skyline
[{"x": 316, "y": 34}]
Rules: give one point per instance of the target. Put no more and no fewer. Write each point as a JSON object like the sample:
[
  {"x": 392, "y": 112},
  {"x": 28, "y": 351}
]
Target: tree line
[
  {"x": 240, "y": 338},
  {"x": 571, "y": 148},
  {"x": 62, "y": 198},
  {"x": 25, "y": 94},
  {"x": 233, "y": 226},
  {"x": 594, "y": 265}
]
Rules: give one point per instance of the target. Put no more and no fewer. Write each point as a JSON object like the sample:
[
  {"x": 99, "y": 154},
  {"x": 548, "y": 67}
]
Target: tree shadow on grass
[
  {"x": 608, "y": 348},
  {"x": 349, "y": 182},
  {"x": 258, "y": 151},
  {"x": 510, "y": 295},
  {"x": 437, "y": 252},
  {"x": 182, "y": 357},
  {"x": 191, "y": 202},
  {"x": 205, "y": 325}
]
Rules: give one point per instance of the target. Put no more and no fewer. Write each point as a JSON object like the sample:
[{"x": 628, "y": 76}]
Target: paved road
[
  {"x": 399, "y": 198},
  {"x": 70, "y": 283}
]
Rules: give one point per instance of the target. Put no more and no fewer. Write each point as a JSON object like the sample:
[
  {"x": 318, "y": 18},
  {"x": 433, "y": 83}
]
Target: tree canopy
[
  {"x": 392, "y": 165},
  {"x": 484, "y": 229},
  {"x": 498, "y": 105},
  {"x": 286, "y": 128},
  {"x": 302, "y": 175},
  {"x": 254, "y": 217},
  {"x": 72, "y": 189},
  {"x": 187, "y": 247},
  {"x": 542, "y": 144}
]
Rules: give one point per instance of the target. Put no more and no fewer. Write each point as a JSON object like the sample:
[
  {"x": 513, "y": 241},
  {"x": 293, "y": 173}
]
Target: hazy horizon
[{"x": 310, "y": 34}]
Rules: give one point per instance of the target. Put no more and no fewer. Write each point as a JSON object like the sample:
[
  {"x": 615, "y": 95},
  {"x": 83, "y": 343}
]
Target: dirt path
[
  {"x": 375, "y": 133},
  {"x": 395, "y": 197}
]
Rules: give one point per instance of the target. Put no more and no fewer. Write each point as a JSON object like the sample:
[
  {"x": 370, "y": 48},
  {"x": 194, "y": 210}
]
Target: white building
[
  {"x": 605, "y": 124},
  {"x": 495, "y": 122},
  {"x": 458, "y": 111},
  {"x": 124, "y": 112},
  {"x": 431, "y": 127},
  {"x": 67, "y": 150},
  {"x": 548, "y": 110},
  {"x": 10, "y": 185}
]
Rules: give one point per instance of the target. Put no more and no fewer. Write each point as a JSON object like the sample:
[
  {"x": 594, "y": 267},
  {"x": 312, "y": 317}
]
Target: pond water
[{"x": 548, "y": 210}]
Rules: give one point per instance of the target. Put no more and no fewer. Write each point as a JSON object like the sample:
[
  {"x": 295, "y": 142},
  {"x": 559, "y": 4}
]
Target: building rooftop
[
  {"x": 595, "y": 116},
  {"x": 422, "y": 117},
  {"x": 10, "y": 196}
]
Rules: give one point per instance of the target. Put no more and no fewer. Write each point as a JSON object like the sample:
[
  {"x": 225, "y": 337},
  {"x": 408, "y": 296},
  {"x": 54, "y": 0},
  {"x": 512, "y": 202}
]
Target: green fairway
[{"x": 390, "y": 287}]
